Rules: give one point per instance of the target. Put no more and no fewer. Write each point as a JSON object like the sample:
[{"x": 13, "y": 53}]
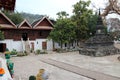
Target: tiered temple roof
[{"x": 41, "y": 24}]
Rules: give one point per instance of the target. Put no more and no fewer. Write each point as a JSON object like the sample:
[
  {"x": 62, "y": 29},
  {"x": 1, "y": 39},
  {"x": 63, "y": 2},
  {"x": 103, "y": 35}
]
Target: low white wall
[
  {"x": 10, "y": 44},
  {"x": 49, "y": 45},
  {"x": 17, "y": 45},
  {"x": 38, "y": 44}
]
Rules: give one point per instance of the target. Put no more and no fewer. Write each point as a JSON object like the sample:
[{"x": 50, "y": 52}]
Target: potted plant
[
  {"x": 32, "y": 77},
  {"x": 7, "y": 54}
]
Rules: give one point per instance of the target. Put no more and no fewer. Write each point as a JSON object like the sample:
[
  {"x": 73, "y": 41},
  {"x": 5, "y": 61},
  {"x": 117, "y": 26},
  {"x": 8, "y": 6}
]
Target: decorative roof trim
[
  {"x": 24, "y": 21},
  {"x": 42, "y": 20},
  {"x": 44, "y": 27},
  {"x": 8, "y": 19}
]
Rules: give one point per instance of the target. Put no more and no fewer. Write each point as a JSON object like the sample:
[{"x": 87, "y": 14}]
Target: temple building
[{"x": 26, "y": 36}]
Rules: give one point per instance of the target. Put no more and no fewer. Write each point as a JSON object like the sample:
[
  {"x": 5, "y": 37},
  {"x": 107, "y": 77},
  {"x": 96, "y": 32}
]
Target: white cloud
[
  {"x": 48, "y": 7},
  {"x": 51, "y": 7}
]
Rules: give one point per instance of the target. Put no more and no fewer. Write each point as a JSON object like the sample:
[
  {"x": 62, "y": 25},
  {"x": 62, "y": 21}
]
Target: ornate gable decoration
[
  {"x": 5, "y": 22},
  {"x": 43, "y": 23},
  {"x": 25, "y": 25}
]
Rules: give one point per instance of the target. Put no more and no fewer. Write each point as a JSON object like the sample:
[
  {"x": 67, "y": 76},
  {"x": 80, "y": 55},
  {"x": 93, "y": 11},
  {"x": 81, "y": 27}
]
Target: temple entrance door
[
  {"x": 44, "y": 45},
  {"x": 24, "y": 36}
]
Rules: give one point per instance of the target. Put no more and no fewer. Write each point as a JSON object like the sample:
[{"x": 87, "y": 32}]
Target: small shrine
[
  {"x": 101, "y": 44},
  {"x": 101, "y": 38}
]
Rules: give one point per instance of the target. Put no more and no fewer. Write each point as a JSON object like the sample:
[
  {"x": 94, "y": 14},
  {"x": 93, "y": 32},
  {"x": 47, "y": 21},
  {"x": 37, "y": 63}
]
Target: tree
[
  {"x": 92, "y": 21},
  {"x": 64, "y": 31},
  {"x": 112, "y": 7},
  {"x": 80, "y": 17},
  {"x": 62, "y": 15},
  {"x": 16, "y": 18}
]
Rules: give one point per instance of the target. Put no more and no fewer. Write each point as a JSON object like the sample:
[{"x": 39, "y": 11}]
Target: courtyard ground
[{"x": 29, "y": 65}]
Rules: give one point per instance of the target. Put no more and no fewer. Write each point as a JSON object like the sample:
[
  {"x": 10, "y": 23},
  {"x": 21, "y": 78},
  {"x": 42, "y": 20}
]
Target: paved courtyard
[{"x": 29, "y": 65}]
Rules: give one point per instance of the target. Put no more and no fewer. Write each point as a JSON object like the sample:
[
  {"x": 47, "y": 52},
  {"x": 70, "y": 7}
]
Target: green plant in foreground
[
  {"x": 38, "y": 51},
  {"x": 13, "y": 52},
  {"x": 32, "y": 78}
]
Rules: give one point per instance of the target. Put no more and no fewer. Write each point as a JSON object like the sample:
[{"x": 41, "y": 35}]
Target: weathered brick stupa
[{"x": 101, "y": 44}]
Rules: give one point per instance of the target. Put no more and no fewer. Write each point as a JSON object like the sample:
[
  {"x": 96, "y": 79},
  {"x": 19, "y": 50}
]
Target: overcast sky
[{"x": 50, "y": 7}]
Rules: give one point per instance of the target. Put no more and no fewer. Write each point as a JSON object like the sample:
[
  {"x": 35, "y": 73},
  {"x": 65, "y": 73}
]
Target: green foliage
[
  {"x": 92, "y": 21},
  {"x": 62, "y": 15},
  {"x": 64, "y": 29},
  {"x": 21, "y": 54},
  {"x": 7, "y": 56},
  {"x": 32, "y": 77},
  {"x": 13, "y": 52},
  {"x": 38, "y": 51},
  {"x": 80, "y": 17},
  {"x": 16, "y": 17}
]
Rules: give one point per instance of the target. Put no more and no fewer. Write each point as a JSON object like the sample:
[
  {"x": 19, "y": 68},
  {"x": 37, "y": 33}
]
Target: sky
[{"x": 51, "y": 7}]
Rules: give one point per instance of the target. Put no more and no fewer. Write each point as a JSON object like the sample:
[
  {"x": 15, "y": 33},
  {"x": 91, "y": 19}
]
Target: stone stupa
[{"x": 101, "y": 44}]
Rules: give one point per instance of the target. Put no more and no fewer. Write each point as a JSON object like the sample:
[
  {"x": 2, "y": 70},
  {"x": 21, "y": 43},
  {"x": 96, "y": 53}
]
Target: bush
[
  {"x": 7, "y": 56},
  {"x": 22, "y": 54},
  {"x": 13, "y": 52},
  {"x": 32, "y": 78},
  {"x": 25, "y": 52},
  {"x": 38, "y": 51}
]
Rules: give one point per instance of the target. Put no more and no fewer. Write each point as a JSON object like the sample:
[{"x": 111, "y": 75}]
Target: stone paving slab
[{"x": 84, "y": 72}]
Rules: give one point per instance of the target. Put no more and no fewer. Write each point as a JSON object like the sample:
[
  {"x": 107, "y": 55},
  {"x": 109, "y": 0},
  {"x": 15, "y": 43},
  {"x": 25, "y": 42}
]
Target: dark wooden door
[
  {"x": 44, "y": 45},
  {"x": 24, "y": 36}
]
